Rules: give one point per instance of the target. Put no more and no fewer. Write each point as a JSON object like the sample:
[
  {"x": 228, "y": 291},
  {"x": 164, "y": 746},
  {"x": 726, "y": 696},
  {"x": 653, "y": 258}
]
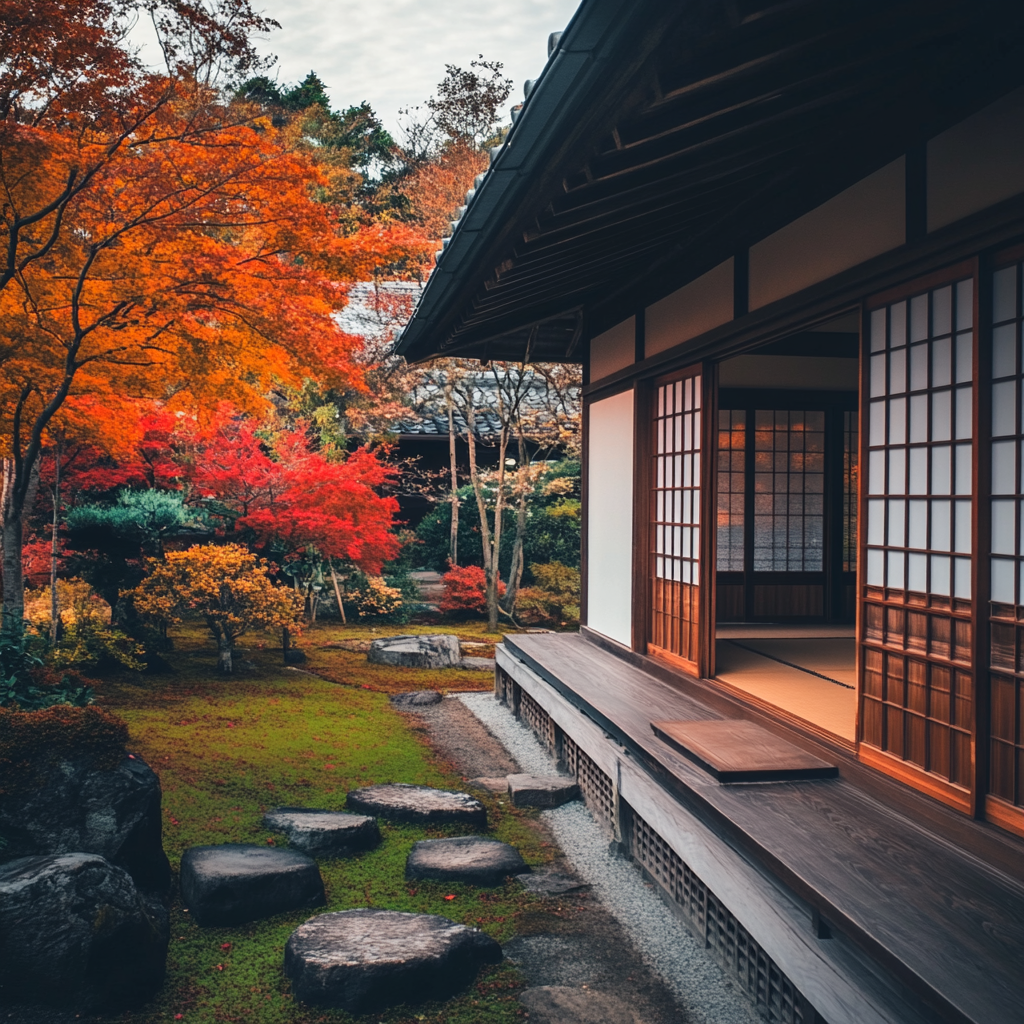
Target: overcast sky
[{"x": 392, "y": 53}]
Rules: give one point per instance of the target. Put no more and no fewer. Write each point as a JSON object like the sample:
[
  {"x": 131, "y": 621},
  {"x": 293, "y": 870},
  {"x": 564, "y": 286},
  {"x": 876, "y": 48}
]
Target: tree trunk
[
  {"x": 337, "y": 595},
  {"x": 12, "y": 513},
  {"x": 485, "y": 529},
  {"x": 55, "y": 620},
  {"x": 453, "y": 543},
  {"x": 286, "y": 643},
  {"x": 515, "y": 574},
  {"x": 224, "y": 651}
]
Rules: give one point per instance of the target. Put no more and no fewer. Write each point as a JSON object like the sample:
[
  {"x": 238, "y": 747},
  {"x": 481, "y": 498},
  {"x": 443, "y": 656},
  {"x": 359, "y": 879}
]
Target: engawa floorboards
[{"x": 946, "y": 923}]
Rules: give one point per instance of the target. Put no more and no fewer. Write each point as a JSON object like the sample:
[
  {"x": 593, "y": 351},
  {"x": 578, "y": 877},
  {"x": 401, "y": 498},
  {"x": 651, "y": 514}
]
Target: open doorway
[{"x": 787, "y": 524}]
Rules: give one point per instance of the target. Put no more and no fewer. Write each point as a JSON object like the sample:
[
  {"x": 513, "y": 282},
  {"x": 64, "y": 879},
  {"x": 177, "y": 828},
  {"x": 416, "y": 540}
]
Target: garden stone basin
[
  {"x": 366, "y": 960},
  {"x": 398, "y": 801},
  {"x": 470, "y": 859},
  {"x": 324, "y": 833},
  {"x": 436, "y": 650},
  {"x": 234, "y": 883}
]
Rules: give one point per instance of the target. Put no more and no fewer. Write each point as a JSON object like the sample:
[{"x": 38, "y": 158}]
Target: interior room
[{"x": 787, "y": 524}]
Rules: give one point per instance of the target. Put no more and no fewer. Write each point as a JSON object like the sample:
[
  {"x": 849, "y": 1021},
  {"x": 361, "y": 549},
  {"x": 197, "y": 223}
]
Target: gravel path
[{"x": 704, "y": 994}]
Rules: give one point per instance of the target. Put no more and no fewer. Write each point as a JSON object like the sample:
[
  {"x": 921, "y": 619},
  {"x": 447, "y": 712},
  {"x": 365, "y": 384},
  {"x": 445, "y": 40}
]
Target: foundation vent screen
[
  {"x": 777, "y": 999},
  {"x": 537, "y": 719},
  {"x": 596, "y": 788}
]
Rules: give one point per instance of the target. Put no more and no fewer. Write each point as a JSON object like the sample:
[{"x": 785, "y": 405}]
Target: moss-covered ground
[{"x": 227, "y": 750}]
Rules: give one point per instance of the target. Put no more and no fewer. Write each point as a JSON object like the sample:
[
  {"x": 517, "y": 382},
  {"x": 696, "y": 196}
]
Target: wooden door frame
[{"x": 644, "y": 391}]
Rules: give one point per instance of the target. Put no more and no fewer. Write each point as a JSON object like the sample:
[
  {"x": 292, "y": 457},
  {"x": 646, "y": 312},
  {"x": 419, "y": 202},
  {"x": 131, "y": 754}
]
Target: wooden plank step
[{"x": 737, "y": 751}]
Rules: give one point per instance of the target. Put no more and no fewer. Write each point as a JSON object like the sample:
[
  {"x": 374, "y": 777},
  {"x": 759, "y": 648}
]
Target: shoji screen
[
  {"x": 917, "y": 701},
  {"x": 675, "y": 569},
  {"x": 1005, "y": 803}
]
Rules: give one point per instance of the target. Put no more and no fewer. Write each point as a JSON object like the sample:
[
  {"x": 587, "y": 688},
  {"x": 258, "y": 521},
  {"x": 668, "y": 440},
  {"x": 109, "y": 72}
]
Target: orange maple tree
[{"x": 162, "y": 242}]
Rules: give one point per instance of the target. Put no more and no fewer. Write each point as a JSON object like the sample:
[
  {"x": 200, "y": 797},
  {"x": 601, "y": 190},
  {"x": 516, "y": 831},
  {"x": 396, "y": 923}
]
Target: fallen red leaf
[{"x": 449, "y": 897}]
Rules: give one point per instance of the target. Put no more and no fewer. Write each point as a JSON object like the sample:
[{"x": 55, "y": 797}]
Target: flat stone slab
[
  {"x": 542, "y": 790},
  {"x": 234, "y": 883},
  {"x": 324, "y": 833},
  {"x": 558, "y": 1004},
  {"x": 549, "y": 883},
  {"x": 416, "y": 699},
  {"x": 474, "y": 664},
  {"x": 398, "y": 801},
  {"x": 471, "y": 859},
  {"x": 497, "y": 784},
  {"x": 366, "y": 960},
  {"x": 435, "y": 650}
]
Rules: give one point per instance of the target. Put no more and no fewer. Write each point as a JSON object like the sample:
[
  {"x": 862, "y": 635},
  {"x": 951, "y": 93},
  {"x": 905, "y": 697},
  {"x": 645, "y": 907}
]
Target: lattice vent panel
[
  {"x": 597, "y": 789},
  {"x": 537, "y": 719},
  {"x": 503, "y": 686},
  {"x": 777, "y": 999}
]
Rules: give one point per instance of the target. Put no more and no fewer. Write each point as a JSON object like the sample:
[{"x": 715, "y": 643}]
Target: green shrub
[
  {"x": 26, "y": 683},
  {"x": 556, "y": 597},
  {"x": 90, "y": 643}
]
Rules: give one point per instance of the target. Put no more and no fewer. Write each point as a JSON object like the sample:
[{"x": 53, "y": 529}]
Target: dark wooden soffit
[{"x": 663, "y": 138}]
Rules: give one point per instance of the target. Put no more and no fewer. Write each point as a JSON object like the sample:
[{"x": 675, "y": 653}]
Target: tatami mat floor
[{"x": 812, "y": 676}]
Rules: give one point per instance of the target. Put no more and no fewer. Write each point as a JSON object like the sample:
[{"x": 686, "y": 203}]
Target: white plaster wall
[
  {"x": 613, "y": 350},
  {"x": 865, "y": 220},
  {"x": 610, "y": 517},
  {"x": 977, "y": 162},
  {"x": 695, "y": 308}
]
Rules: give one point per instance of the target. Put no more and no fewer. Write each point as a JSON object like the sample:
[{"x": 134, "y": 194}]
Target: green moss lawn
[{"x": 227, "y": 750}]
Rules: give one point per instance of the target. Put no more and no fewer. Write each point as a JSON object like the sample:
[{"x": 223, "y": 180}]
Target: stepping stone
[
  {"x": 498, "y": 784},
  {"x": 235, "y": 883},
  {"x": 549, "y": 884},
  {"x": 324, "y": 833},
  {"x": 398, "y": 801},
  {"x": 437, "y": 650},
  {"x": 478, "y": 664},
  {"x": 542, "y": 790},
  {"x": 366, "y": 960},
  {"x": 471, "y": 859},
  {"x": 558, "y": 1004},
  {"x": 416, "y": 699}
]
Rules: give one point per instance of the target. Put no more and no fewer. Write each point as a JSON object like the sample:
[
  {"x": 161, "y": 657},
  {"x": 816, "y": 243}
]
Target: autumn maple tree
[
  {"x": 162, "y": 241},
  {"x": 226, "y": 585},
  {"x": 291, "y": 498}
]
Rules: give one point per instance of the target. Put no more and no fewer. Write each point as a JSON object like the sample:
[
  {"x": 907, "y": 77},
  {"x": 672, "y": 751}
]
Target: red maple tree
[{"x": 291, "y": 496}]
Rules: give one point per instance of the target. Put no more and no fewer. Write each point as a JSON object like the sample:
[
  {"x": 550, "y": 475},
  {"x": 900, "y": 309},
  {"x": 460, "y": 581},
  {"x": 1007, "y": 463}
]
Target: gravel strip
[{"x": 703, "y": 991}]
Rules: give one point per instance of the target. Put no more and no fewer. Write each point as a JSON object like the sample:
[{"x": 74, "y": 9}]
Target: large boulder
[
  {"x": 73, "y": 806},
  {"x": 437, "y": 650},
  {"x": 234, "y": 883},
  {"x": 76, "y": 933},
  {"x": 366, "y": 960},
  {"x": 398, "y": 801},
  {"x": 324, "y": 833},
  {"x": 471, "y": 859}
]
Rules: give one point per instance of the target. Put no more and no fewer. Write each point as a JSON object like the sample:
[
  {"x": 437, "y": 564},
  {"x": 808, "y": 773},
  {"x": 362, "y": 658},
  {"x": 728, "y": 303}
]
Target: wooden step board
[{"x": 733, "y": 750}]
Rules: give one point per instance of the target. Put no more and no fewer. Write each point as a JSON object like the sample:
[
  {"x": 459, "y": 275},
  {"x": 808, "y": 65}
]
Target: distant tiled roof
[{"x": 428, "y": 414}]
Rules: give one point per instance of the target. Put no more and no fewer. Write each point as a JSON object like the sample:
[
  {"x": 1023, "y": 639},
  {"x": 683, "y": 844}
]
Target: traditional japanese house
[{"x": 786, "y": 242}]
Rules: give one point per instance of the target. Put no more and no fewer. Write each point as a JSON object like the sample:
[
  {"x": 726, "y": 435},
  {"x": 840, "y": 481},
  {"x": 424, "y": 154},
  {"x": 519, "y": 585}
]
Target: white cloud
[{"x": 392, "y": 53}]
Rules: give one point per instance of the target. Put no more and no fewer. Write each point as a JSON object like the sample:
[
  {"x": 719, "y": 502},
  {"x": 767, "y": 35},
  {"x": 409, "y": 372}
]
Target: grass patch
[{"x": 227, "y": 750}]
